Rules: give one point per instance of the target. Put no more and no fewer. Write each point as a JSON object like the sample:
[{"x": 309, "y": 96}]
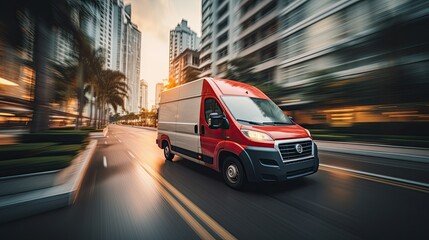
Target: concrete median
[{"x": 59, "y": 188}]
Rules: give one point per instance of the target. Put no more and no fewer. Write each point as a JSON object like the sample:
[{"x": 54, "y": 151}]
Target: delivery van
[{"x": 235, "y": 129}]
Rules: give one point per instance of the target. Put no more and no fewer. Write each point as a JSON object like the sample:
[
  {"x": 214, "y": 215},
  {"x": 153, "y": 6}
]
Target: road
[{"x": 130, "y": 192}]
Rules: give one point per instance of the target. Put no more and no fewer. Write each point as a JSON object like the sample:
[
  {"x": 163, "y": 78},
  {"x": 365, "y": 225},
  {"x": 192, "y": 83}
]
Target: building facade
[
  {"x": 290, "y": 40},
  {"x": 218, "y": 35},
  {"x": 131, "y": 43},
  {"x": 186, "y": 67},
  {"x": 143, "y": 95},
  {"x": 181, "y": 38},
  {"x": 297, "y": 44}
]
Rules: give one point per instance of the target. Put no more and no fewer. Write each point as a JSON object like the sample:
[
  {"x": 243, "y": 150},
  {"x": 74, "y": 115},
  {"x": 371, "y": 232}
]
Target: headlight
[
  {"x": 257, "y": 136},
  {"x": 308, "y": 132}
]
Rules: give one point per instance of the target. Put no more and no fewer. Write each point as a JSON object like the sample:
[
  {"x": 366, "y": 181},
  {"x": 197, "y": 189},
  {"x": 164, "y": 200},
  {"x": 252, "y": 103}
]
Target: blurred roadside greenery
[{"x": 36, "y": 152}]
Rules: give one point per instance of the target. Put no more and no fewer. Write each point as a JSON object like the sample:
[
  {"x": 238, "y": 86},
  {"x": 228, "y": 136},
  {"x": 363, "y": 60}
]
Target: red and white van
[{"x": 235, "y": 129}]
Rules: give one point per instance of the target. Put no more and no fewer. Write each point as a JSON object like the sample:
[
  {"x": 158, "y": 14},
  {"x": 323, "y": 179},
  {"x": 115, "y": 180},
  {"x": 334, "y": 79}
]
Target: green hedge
[
  {"x": 34, "y": 164},
  {"x": 24, "y": 150},
  {"x": 61, "y": 137},
  {"x": 57, "y": 150}
]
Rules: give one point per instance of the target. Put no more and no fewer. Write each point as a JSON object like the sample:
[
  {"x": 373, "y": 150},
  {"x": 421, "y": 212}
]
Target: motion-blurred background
[{"x": 355, "y": 70}]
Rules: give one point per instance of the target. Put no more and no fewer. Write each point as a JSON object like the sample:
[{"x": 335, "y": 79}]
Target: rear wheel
[
  {"x": 233, "y": 173},
  {"x": 167, "y": 152}
]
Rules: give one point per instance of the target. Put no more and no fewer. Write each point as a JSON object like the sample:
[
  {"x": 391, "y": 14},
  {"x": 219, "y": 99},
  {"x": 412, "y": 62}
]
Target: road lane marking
[
  {"x": 105, "y": 142},
  {"x": 210, "y": 222},
  {"x": 132, "y": 155},
  {"x": 119, "y": 140},
  {"x": 399, "y": 182},
  {"x": 191, "y": 221},
  {"x": 105, "y": 161}
]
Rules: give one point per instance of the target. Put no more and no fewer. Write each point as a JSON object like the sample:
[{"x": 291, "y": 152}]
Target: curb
[
  {"x": 24, "y": 204},
  {"x": 147, "y": 128},
  {"x": 396, "y": 156}
]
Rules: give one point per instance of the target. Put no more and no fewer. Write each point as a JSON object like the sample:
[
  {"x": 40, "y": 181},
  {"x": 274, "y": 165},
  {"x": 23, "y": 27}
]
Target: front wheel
[
  {"x": 167, "y": 152},
  {"x": 233, "y": 173}
]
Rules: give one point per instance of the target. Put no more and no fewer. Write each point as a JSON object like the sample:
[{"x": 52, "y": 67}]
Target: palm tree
[
  {"x": 111, "y": 90},
  {"x": 88, "y": 63},
  {"x": 88, "y": 74},
  {"x": 45, "y": 16}
]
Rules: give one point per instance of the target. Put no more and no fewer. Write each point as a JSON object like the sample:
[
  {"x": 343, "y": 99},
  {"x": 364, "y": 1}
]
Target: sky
[{"x": 155, "y": 19}]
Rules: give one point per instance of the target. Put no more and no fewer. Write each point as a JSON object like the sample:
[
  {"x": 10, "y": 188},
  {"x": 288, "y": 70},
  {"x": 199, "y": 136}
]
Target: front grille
[{"x": 289, "y": 152}]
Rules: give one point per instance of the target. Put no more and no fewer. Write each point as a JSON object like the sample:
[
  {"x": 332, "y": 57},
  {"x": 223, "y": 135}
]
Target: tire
[
  {"x": 167, "y": 152},
  {"x": 233, "y": 173}
]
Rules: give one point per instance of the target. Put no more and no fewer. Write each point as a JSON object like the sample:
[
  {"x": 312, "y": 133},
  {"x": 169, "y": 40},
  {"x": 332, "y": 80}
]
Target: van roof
[{"x": 230, "y": 87}]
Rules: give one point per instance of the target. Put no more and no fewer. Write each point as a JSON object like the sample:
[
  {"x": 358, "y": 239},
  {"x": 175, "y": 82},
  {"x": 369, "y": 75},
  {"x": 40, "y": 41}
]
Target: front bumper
[{"x": 266, "y": 165}]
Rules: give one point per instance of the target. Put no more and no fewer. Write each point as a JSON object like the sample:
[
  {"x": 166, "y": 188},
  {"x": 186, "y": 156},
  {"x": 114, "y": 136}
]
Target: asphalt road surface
[{"x": 131, "y": 192}]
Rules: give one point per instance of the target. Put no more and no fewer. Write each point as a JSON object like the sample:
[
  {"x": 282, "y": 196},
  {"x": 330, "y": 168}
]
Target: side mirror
[{"x": 218, "y": 121}]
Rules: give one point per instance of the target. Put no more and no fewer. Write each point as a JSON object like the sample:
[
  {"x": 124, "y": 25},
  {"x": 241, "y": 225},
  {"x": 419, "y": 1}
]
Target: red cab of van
[{"x": 235, "y": 129}]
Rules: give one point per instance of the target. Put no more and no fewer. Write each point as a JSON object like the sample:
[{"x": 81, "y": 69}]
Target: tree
[
  {"x": 90, "y": 66},
  {"x": 45, "y": 16},
  {"x": 111, "y": 90}
]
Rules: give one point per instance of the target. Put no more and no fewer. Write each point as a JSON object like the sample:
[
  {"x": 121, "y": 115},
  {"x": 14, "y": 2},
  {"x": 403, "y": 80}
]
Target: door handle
[
  {"x": 196, "y": 129},
  {"x": 202, "y": 129}
]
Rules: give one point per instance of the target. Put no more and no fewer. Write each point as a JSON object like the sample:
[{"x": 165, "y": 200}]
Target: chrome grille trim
[{"x": 291, "y": 141}]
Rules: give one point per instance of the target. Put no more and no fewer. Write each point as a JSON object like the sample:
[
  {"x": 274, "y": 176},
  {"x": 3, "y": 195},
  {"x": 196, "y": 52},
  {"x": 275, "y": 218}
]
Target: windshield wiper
[
  {"x": 273, "y": 123},
  {"x": 251, "y": 122}
]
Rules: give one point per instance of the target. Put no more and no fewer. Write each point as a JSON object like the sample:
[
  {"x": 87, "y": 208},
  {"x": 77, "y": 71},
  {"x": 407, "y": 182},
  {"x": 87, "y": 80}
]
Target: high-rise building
[
  {"x": 218, "y": 35},
  {"x": 181, "y": 38},
  {"x": 186, "y": 67},
  {"x": 131, "y": 40},
  {"x": 159, "y": 87},
  {"x": 143, "y": 95},
  {"x": 289, "y": 41}
]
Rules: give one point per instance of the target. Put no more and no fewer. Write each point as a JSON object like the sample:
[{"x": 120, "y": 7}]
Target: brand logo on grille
[{"x": 298, "y": 148}]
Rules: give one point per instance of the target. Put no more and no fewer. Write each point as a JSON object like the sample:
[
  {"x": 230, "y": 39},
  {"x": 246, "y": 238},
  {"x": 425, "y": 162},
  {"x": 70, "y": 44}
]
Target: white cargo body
[{"x": 179, "y": 115}]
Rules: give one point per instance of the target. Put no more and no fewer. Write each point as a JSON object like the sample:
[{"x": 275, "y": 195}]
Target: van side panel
[
  {"x": 178, "y": 116},
  {"x": 187, "y": 120},
  {"x": 167, "y": 120}
]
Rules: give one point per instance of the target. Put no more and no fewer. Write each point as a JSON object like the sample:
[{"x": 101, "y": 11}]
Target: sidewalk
[
  {"x": 147, "y": 128},
  {"x": 376, "y": 150},
  {"x": 29, "y": 194}
]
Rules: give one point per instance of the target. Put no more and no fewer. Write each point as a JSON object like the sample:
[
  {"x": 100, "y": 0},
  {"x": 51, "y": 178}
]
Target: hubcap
[
  {"x": 232, "y": 173},
  {"x": 167, "y": 151}
]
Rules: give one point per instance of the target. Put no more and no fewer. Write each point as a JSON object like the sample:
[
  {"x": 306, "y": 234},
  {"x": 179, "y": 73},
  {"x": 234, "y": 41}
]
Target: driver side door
[{"x": 209, "y": 138}]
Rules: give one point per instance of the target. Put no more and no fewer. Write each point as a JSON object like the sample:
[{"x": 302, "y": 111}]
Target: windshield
[{"x": 255, "y": 111}]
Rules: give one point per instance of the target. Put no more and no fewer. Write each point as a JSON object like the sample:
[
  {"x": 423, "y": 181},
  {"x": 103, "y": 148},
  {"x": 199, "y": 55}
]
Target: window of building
[
  {"x": 222, "y": 11},
  {"x": 223, "y": 38},
  {"x": 222, "y": 53},
  {"x": 222, "y": 25},
  {"x": 222, "y": 67},
  {"x": 268, "y": 53}
]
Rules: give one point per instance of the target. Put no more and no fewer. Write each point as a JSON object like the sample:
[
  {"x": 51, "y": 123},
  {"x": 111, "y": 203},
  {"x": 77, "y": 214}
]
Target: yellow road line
[
  {"x": 210, "y": 222},
  {"x": 192, "y": 222},
  {"x": 380, "y": 180}
]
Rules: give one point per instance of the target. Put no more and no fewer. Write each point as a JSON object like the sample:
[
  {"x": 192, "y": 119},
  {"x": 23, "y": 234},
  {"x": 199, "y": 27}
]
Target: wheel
[
  {"x": 167, "y": 152},
  {"x": 233, "y": 173}
]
